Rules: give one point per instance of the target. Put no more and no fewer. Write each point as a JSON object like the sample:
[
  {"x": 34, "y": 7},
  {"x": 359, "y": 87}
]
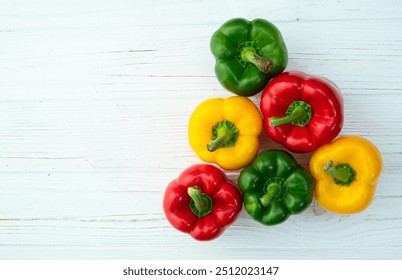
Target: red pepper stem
[
  {"x": 248, "y": 54},
  {"x": 299, "y": 113},
  {"x": 196, "y": 195},
  {"x": 272, "y": 190}
]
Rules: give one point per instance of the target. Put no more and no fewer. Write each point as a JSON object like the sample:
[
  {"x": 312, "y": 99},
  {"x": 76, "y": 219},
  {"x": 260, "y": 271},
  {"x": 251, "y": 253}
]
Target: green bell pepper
[
  {"x": 248, "y": 54},
  {"x": 274, "y": 187}
]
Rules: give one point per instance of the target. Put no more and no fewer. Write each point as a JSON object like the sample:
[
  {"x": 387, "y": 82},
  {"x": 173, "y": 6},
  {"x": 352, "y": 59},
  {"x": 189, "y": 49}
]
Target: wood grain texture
[{"x": 95, "y": 98}]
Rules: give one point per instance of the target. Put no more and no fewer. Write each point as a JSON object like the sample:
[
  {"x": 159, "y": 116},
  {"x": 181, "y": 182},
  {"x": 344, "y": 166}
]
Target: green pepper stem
[
  {"x": 272, "y": 190},
  {"x": 248, "y": 54},
  {"x": 343, "y": 174},
  {"x": 298, "y": 114},
  {"x": 196, "y": 195}
]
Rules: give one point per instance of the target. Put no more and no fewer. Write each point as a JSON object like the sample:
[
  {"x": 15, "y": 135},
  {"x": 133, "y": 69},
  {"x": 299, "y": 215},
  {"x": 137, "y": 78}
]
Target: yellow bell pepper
[
  {"x": 225, "y": 131},
  {"x": 346, "y": 173}
]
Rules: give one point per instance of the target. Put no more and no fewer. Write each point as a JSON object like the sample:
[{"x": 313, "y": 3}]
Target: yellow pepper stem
[
  {"x": 343, "y": 174},
  {"x": 216, "y": 144},
  {"x": 224, "y": 134}
]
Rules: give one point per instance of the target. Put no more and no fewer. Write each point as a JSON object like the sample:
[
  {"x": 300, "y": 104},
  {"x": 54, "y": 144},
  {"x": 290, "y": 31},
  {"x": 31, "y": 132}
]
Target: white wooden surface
[{"x": 94, "y": 102}]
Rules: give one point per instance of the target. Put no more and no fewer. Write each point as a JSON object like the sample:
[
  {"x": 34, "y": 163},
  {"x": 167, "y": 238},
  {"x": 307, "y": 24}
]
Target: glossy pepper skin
[
  {"x": 225, "y": 131},
  {"x": 248, "y": 54},
  {"x": 347, "y": 171},
  {"x": 202, "y": 202},
  {"x": 274, "y": 187},
  {"x": 302, "y": 112}
]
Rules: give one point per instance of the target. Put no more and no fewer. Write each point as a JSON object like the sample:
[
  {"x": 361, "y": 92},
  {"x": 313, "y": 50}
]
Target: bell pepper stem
[
  {"x": 343, "y": 174},
  {"x": 272, "y": 190},
  {"x": 298, "y": 114},
  {"x": 248, "y": 54},
  {"x": 201, "y": 203},
  {"x": 224, "y": 134},
  {"x": 216, "y": 144},
  {"x": 196, "y": 195}
]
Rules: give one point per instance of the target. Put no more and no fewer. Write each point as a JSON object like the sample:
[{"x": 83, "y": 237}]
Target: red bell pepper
[
  {"x": 202, "y": 202},
  {"x": 302, "y": 112}
]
